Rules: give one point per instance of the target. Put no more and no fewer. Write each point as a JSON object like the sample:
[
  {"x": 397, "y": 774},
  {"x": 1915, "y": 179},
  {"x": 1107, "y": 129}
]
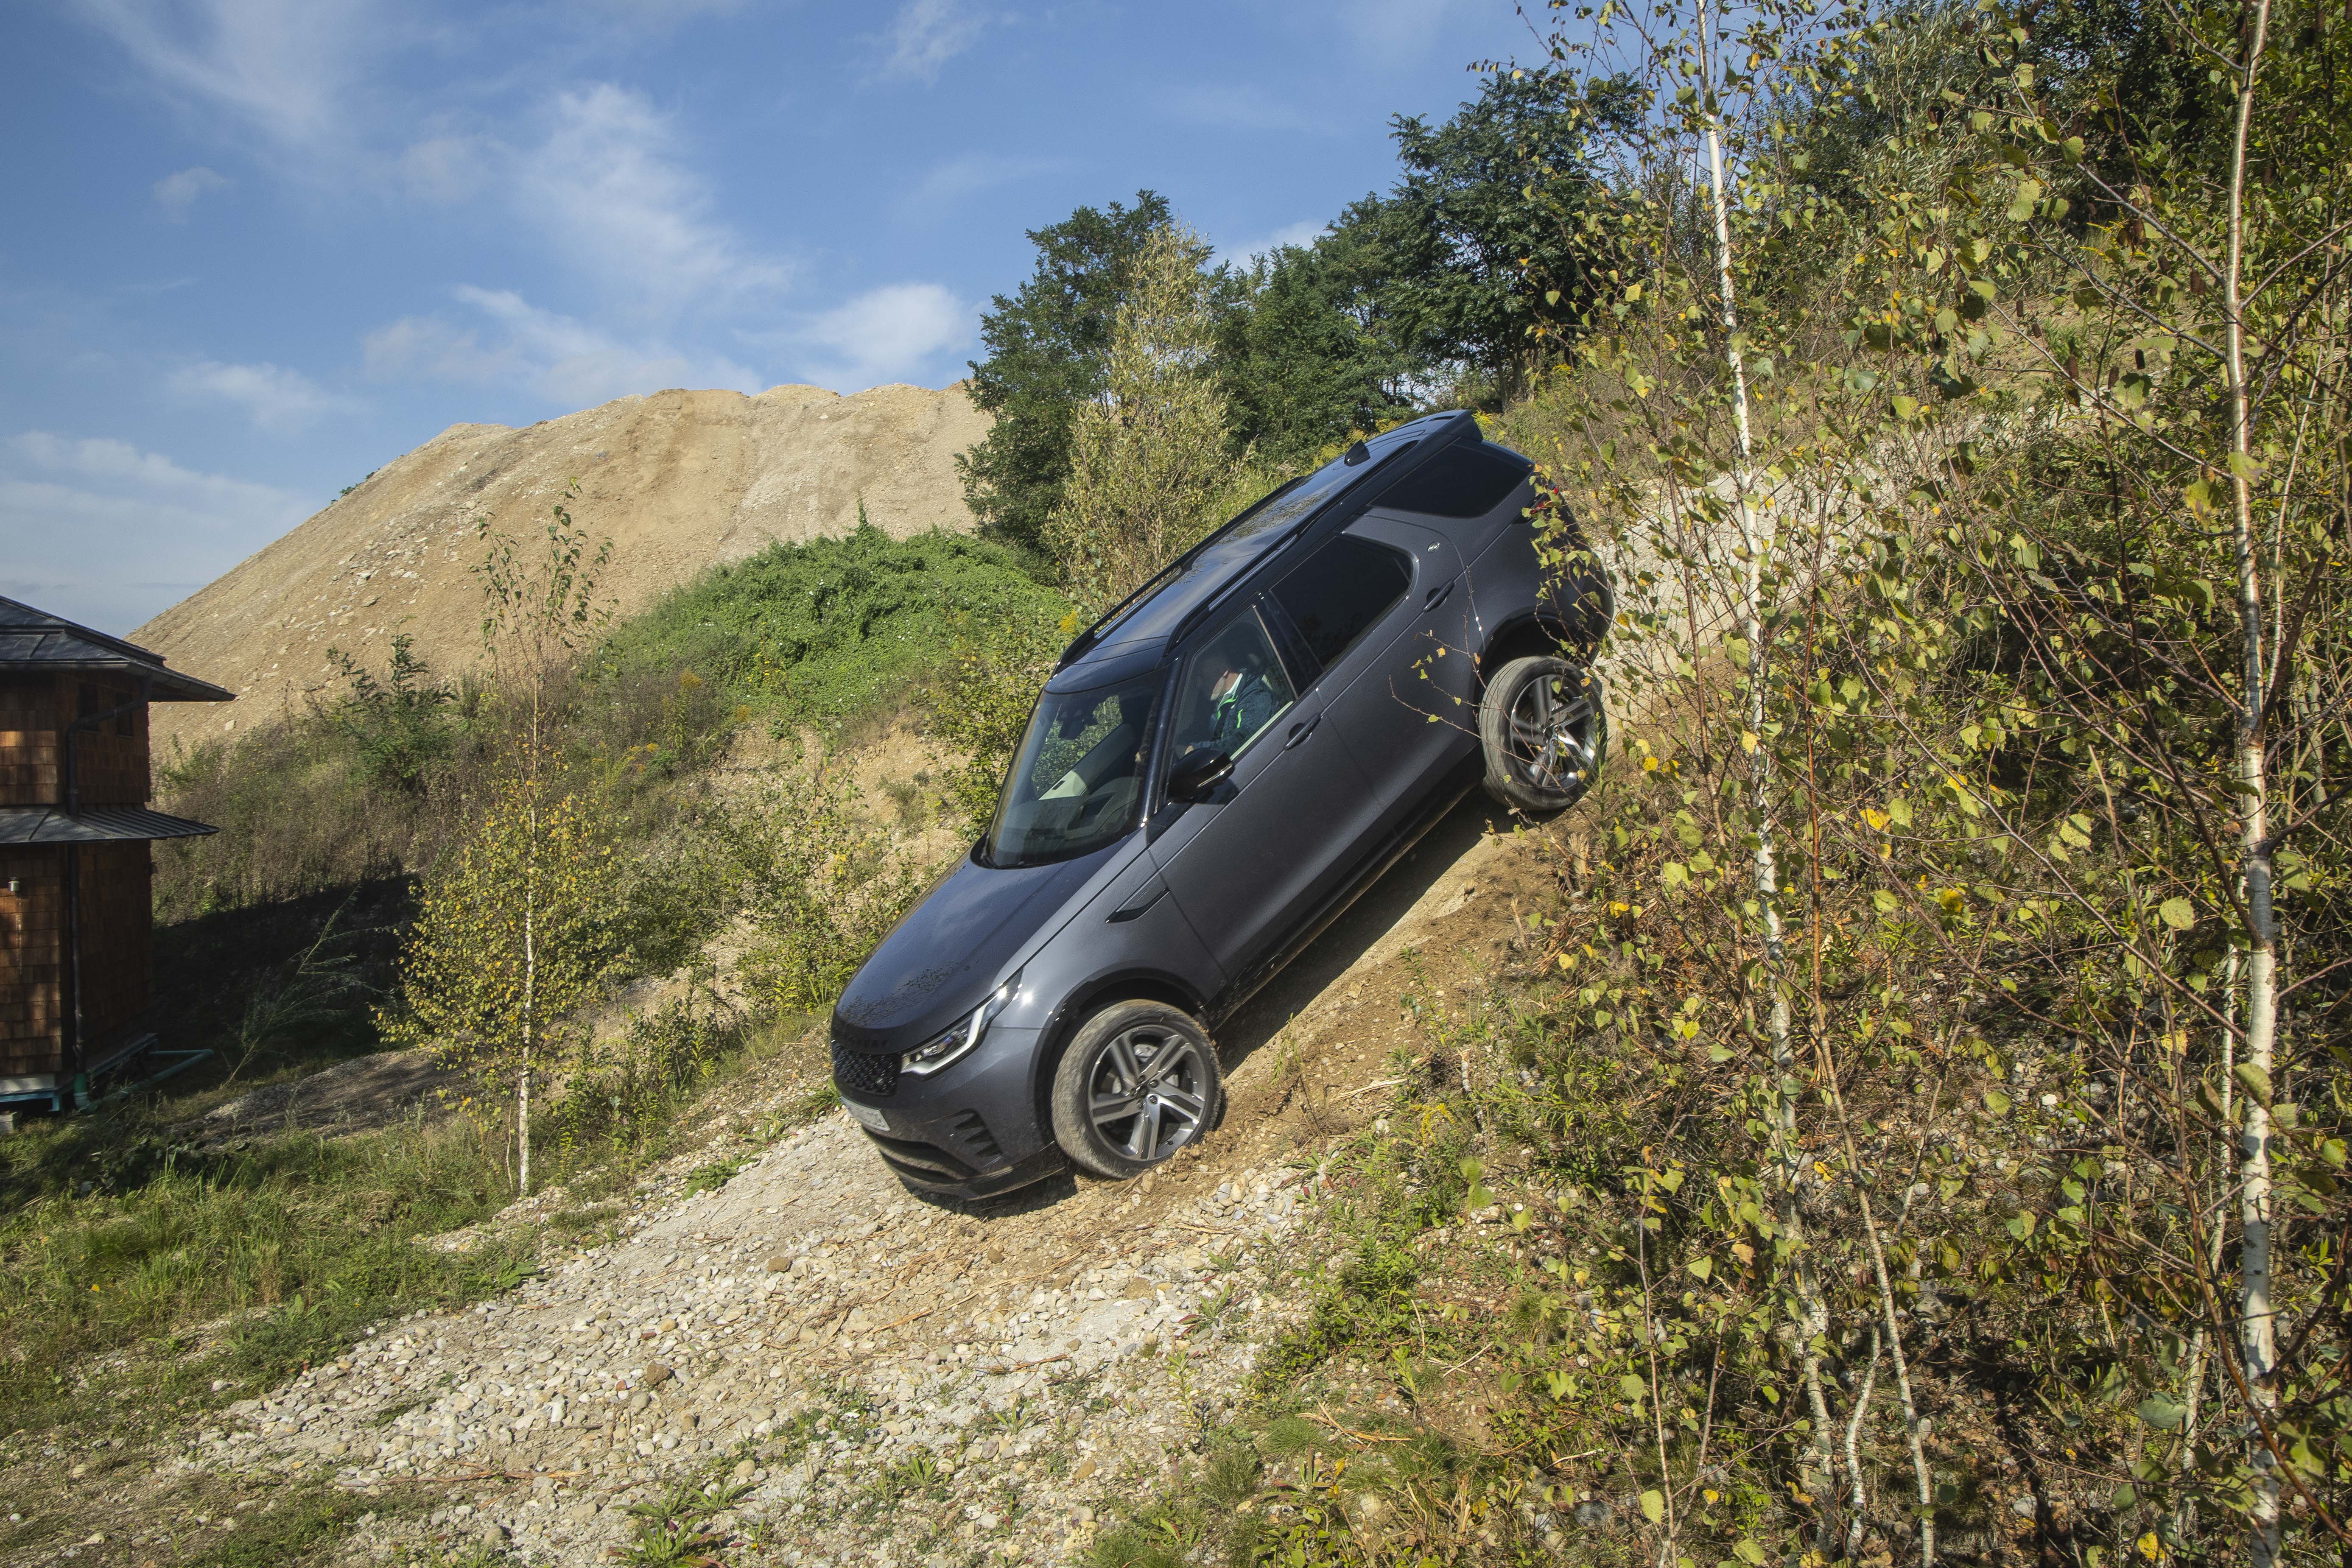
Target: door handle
[
  {"x": 1437, "y": 595},
  {"x": 1299, "y": 731}
]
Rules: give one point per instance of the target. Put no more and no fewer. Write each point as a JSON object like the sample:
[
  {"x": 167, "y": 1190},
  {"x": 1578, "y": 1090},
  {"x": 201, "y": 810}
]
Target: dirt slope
[
  {"x": 1012, "y": 1372},
  {"x": 678, "y": 480}
]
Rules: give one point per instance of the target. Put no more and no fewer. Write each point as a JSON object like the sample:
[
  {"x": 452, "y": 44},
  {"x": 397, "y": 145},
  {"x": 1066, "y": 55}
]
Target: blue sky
[{"x": 262, "y": 246}]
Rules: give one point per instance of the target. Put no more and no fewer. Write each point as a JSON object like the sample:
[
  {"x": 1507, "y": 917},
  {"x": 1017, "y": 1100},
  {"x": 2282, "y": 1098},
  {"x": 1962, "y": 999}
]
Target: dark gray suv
[{"x": 1214, "y": 770}]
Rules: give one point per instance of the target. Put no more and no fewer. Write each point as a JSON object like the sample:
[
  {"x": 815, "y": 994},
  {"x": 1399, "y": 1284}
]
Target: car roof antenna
[{"x": 1358, "y": 453}]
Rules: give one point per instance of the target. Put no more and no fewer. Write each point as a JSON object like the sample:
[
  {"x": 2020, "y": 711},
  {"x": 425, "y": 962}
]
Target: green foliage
[
  {"x": 807, "y": 632},
  {"x": 398, "y": 727},
  {"x": 982, "y": 701},
  {"x": 516, "y": 931},
  {"x": 305, "y": 1240},
  {"x": 1148, "y": 456},
  {"x": 821, "y": 889},
  {"x": 1045, "y": 346},
  {"x": 1302, "y": 358},
  {"x": 1479, "y": 243}
]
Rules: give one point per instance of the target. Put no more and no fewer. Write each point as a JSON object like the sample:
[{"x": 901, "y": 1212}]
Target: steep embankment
[
  {"x": 677, "y": 480},
  {"x": 858, "y": 1376}
]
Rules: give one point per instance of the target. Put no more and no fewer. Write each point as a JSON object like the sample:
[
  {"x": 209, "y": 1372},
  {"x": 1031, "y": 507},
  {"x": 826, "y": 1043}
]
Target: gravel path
[{"x": 807, "y": 1329}]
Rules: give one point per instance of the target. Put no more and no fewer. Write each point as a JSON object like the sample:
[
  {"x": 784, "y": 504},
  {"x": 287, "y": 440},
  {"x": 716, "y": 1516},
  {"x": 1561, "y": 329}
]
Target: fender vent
[{"x": 972, "y": 1132}]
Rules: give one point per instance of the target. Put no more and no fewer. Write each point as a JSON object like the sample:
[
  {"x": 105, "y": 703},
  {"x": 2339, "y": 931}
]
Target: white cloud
[
  {"x": 176, "y": 194},
  {"x": 287, "y": 67},
  {"x": 278, "y": 399},
  {"x": 1302, "y": 233},
  {"x": 509, "y": 341},
  {"x": 107, "y": 533},
  {"x": 925, "y": 36},
  {"x": 887, "y": 334},
  {"x": 608, "y": 184}
]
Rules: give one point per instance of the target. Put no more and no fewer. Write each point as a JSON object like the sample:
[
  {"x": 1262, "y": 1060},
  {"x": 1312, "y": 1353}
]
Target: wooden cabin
[{"x": 76, "y": 949}]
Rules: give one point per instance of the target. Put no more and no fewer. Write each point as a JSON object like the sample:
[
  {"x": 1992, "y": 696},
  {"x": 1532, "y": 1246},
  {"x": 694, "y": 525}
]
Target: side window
[
  {"x": 1336, "y": 596},
  {"x": 1468, "y": 480},
  {"x": 1235, "y": 688}
]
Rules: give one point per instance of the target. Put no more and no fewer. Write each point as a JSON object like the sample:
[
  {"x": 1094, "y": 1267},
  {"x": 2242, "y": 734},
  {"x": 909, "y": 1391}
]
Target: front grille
[{"x": 858, "y": 1073}]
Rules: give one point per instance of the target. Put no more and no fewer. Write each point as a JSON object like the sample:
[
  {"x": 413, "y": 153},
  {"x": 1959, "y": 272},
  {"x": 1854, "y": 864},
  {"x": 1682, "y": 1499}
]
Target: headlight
[{"x": 952, "y": 1044}]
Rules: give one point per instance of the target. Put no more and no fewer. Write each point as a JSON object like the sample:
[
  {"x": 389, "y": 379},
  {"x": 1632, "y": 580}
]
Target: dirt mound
[{"x": 679, "y": 480}]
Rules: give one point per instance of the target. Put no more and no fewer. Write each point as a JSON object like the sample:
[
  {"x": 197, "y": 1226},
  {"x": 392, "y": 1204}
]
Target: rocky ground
[{"x": 778, "y": 1346}]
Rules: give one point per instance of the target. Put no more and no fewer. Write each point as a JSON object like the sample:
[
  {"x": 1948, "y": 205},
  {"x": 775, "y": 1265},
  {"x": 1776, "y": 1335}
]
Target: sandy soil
[{"x": 678, "y": 480}]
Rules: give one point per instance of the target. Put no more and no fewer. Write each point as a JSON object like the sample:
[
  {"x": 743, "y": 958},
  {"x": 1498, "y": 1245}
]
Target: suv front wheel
[
  {"x": 1141, "y": 1082},
  {"x": 1544, "y": 732}
]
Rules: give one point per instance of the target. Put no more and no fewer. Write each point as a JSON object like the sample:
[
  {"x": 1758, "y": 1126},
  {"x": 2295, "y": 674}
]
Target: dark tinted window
[
  {"x": 1467, "y": 480},
  {"x": 1340, "y": 591}
]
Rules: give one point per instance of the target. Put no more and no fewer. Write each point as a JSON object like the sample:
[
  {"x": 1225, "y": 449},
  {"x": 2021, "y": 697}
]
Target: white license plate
[{"x": 867, "y": 1116}]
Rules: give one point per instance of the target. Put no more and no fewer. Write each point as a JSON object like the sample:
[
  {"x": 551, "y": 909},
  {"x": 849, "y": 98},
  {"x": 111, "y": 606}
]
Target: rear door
[{"x": 1381, "y": 606}]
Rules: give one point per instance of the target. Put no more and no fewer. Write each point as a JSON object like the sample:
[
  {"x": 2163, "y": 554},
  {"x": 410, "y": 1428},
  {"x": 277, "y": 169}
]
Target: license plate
[{"x": 867, "y": 1116}]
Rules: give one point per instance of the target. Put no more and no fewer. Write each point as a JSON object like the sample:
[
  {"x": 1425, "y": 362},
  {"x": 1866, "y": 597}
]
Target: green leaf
[
  {"x": 1998, "y": 1102},
  {"x": 1701, "y": 1266},
  {"x": 1653, "y": 1506},
  {"x": 1631, "y": 1388},
  {"x": 2178, "y": 913},
  {"x": 2256, "y": 1081},
  {"x": 2161, "y": 1413},
  {"x": 1747, "y": 1551}
]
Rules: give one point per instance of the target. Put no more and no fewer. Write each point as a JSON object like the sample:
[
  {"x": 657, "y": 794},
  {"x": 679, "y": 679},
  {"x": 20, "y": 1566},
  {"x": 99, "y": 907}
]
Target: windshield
[{"x": 1078, "y": 781}]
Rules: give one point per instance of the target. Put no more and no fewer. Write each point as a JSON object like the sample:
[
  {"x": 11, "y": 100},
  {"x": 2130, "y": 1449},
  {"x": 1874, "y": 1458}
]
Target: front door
[{"x": 1263, "y": 851}]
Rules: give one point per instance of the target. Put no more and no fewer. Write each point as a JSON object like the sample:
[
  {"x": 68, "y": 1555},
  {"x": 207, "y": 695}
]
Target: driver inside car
[{"x": 1242, "y": 702}]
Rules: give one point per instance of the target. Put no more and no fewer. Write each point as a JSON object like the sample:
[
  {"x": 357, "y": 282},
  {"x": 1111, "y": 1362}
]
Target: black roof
[
  {"x": 35, "y": 639},
  {"x": 92, "y": 825},
  {"x": 1135, "y": 629}
]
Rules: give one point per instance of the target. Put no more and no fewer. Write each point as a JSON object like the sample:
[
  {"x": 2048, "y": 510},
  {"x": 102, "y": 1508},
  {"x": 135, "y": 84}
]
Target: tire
[
  {"x": 1545, "y": 731},
  {"x": 1153, "y": 1061}
]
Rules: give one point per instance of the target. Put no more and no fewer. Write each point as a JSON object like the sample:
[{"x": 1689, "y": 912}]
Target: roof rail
[{"x": 1449, "y": 427}]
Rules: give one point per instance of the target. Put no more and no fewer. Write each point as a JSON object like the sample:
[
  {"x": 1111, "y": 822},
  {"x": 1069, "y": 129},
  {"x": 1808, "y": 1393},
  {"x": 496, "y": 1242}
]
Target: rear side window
[
  {"x": 1467, "y": 480},
  {"x": 1334, "y": 597}
]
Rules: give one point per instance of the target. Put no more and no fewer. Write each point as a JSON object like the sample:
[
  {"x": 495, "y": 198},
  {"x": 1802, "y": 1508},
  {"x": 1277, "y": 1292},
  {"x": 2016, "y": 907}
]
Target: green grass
[
  {"x": 829, "y": 629},
  {"x": 299, "y": 1241}
]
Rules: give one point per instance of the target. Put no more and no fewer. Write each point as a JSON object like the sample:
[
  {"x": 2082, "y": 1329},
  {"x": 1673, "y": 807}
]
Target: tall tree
[
  {"x": 1148, "y": 460},
  {"x": 1046, "y": 345},
  {"x": 1470, "y": 250},
  {"x": 1302, "y": 358}
]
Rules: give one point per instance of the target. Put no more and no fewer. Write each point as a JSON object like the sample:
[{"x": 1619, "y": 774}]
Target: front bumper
[{"x": 969, "y": 1130}]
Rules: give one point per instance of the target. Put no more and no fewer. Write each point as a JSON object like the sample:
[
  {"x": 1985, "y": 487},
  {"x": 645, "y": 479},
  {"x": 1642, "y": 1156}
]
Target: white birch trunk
[
  {"x": 2257, "y": 1337},
  {"x": 1813, "y": 1321}
]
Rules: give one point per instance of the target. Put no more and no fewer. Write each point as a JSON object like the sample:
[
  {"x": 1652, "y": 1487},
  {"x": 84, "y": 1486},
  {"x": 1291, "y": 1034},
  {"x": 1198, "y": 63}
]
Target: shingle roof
[
  {"x": 31, "y": 638},
  {"x": 96, "y": 825}
]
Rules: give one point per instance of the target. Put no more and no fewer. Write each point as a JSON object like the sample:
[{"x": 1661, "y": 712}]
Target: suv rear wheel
[
  {"x": 1543, "y": 731},
  {"x": 1141, "y": 1082}
]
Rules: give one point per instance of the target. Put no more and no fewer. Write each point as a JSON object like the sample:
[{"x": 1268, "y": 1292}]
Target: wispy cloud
[
  {"x": 289, "y": 69},
  {"x": 100, "y": 531},
  {"x": 926, "y": 35},
  {"x": 1225, "y": 107},
  {"x": 506, "y": 341},
  {"x": 612, "y": 189},
  {"x": 886, "y": 334},
  {"x": 176, "y": 194},
  {"x": 276, "y": 399},
  {"x": 968, "y": 174}
]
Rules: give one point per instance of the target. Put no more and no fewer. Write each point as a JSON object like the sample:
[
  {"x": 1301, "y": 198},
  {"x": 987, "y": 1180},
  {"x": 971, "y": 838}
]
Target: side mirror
[{"x": 1199, "y": 774}]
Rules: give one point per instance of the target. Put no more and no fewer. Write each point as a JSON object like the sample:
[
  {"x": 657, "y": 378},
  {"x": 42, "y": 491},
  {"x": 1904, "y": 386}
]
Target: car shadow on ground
[{"x": 1374, "y": 914}]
